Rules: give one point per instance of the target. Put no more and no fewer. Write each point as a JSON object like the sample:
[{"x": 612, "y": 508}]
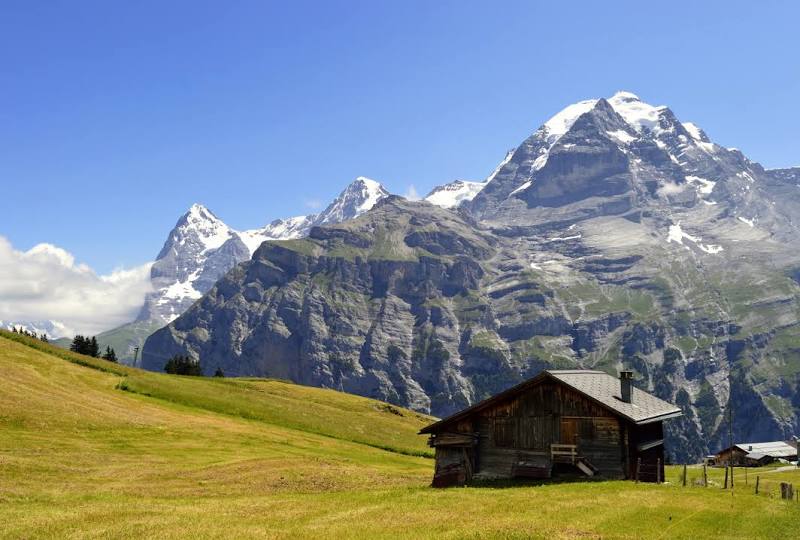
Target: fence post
[
  {"x": 705, "y": 476},
  {"x": 638, "y": 466},
  {"x": 658, "y": 471},
  {"x": 684, "y": 475},
  {"x": 757, "y": 479},
  {"x": 726, "y": 477}
]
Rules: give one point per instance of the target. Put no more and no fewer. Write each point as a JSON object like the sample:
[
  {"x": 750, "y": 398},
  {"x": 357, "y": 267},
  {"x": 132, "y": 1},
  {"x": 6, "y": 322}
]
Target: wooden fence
[{"x": 742, "y": 481}]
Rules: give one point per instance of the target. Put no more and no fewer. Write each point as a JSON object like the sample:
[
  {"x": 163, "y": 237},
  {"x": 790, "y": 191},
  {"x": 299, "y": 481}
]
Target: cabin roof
[
  {"x": 598, "y": 386},
  {"x": 776, "y": 449}
]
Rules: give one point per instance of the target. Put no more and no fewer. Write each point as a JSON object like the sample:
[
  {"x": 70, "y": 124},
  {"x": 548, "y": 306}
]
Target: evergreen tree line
[
  {"x": 90, "y": 347},
  {"x": 34, "y": 335},
  {"x": 184, "y": 365}
]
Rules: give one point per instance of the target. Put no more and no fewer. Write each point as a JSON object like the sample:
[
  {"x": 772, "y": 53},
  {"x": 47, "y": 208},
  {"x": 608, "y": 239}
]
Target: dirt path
[{"x": 782, "y": 469}]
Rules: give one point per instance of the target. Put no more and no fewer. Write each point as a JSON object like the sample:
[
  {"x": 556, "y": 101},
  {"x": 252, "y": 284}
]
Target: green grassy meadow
[{"x": 90, "y": 449}]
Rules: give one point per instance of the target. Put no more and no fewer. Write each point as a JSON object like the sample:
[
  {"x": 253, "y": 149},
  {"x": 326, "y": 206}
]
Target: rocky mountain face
[
  {"x": 788, "y": 176},
  {"x": 201, "y": 249},
  {"x": 614, "y": 236}
]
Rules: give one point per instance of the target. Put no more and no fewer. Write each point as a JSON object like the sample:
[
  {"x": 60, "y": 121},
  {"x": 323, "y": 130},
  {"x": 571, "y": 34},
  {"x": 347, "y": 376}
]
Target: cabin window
[{"x": 503, "y": 432}]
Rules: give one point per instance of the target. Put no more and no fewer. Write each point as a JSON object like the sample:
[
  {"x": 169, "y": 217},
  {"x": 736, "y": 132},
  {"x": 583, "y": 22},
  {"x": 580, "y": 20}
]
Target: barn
[
  {"x": 756, "y": 454},
  {"x": 570, "y": 422}
]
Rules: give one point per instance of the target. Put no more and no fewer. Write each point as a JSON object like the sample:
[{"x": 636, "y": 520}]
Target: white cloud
[
  {"x": 314, "y": 204},
  {"x": 670, "y": 188},
  {"x": 411, "y": 193},
  {"x": 45, "y": 283}
]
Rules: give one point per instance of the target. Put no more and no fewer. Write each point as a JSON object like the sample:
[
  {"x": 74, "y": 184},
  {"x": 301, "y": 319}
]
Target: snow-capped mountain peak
[
  {"x": 200, "y": 212},
  {"x": 645, "y": 149},
  {"x": 639, "y": 115},
  {"x": 371, "y": 192},
  {"x": 201, "y": 226},
  {"x": 559, "y": 124},
  {"x": 360, "y": 196},
  {"x": 453, "y": 194},
  {"x": 279, "y": 229},
  {"x": 202, "y": 248}
]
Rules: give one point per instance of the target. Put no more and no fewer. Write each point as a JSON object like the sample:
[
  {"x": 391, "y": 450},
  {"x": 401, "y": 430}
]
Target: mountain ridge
[{"x": 201, "y": 248}]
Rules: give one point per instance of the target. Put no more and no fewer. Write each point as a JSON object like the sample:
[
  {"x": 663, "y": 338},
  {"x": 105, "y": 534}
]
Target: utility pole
[
  {"x": 135, "y": 355},
  {"x": 730, "y": 416}
]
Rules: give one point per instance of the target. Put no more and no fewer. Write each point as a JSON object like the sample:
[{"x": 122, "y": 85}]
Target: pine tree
[
  {"x": 85, "y": 345},
  {"x": 44, "y": 338},
  {"x": 93, "y": 348},
  {"x": 110, "y": 355},
  {"x": 77, "y": 345},
  {"x": 219, "y": 372}
]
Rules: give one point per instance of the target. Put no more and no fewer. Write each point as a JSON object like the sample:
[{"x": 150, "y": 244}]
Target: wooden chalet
[
  {"x": 756, "y": 454},
  {"x": 559, "y": 422}
]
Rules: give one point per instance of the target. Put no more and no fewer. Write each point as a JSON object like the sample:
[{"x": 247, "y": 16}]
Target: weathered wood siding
[
  {"x": 521, "y": 430},
  {"x": 451, "y": 467},
  {"x": 652, "y": 459}
]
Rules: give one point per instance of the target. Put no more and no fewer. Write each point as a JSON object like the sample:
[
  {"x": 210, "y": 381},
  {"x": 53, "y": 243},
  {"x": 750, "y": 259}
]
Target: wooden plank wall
[{"x": 523, "y": 428}]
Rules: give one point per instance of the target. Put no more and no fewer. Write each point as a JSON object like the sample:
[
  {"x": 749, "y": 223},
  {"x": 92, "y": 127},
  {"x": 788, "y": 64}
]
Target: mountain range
[
  {"x": 615, "y": 236},
  {"x": 201, "y": 248}
]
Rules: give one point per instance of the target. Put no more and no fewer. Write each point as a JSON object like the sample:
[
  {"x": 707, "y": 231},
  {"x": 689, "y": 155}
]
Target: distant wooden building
[
  {"x": 578, "y": 421},
  {"x": 756, "y": 454}
]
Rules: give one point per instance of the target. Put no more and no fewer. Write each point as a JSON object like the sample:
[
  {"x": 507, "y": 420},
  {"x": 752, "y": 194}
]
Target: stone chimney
[{"x": 625, "y": 380}]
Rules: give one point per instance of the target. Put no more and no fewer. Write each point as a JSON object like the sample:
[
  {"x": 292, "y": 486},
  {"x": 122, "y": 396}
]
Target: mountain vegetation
[
  {"x": 183, "y": 365},
  {"x": 85, "y": 345},
  {"x": 28, "y": 333},
  {"x": 110, "y": 355}
]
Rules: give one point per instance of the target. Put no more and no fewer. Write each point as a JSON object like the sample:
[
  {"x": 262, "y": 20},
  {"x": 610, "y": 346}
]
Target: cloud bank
[
  {"x": 411, "y": 193},
  {"x": 45, "y": 283}
]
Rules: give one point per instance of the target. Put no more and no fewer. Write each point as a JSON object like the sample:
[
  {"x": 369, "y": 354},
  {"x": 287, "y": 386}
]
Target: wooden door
[{"x": 569, "y": 431}]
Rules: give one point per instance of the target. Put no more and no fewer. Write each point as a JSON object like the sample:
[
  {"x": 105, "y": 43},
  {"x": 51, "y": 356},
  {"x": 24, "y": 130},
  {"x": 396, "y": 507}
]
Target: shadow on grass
[{"x": 560, "y": 479}]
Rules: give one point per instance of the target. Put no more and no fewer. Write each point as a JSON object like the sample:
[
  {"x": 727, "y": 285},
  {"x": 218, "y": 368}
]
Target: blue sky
[{"x": 116, "y": 116}]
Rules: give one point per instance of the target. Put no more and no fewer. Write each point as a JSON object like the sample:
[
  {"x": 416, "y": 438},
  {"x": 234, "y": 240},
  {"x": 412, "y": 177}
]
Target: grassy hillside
[{"x": 92, "y": 449}]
